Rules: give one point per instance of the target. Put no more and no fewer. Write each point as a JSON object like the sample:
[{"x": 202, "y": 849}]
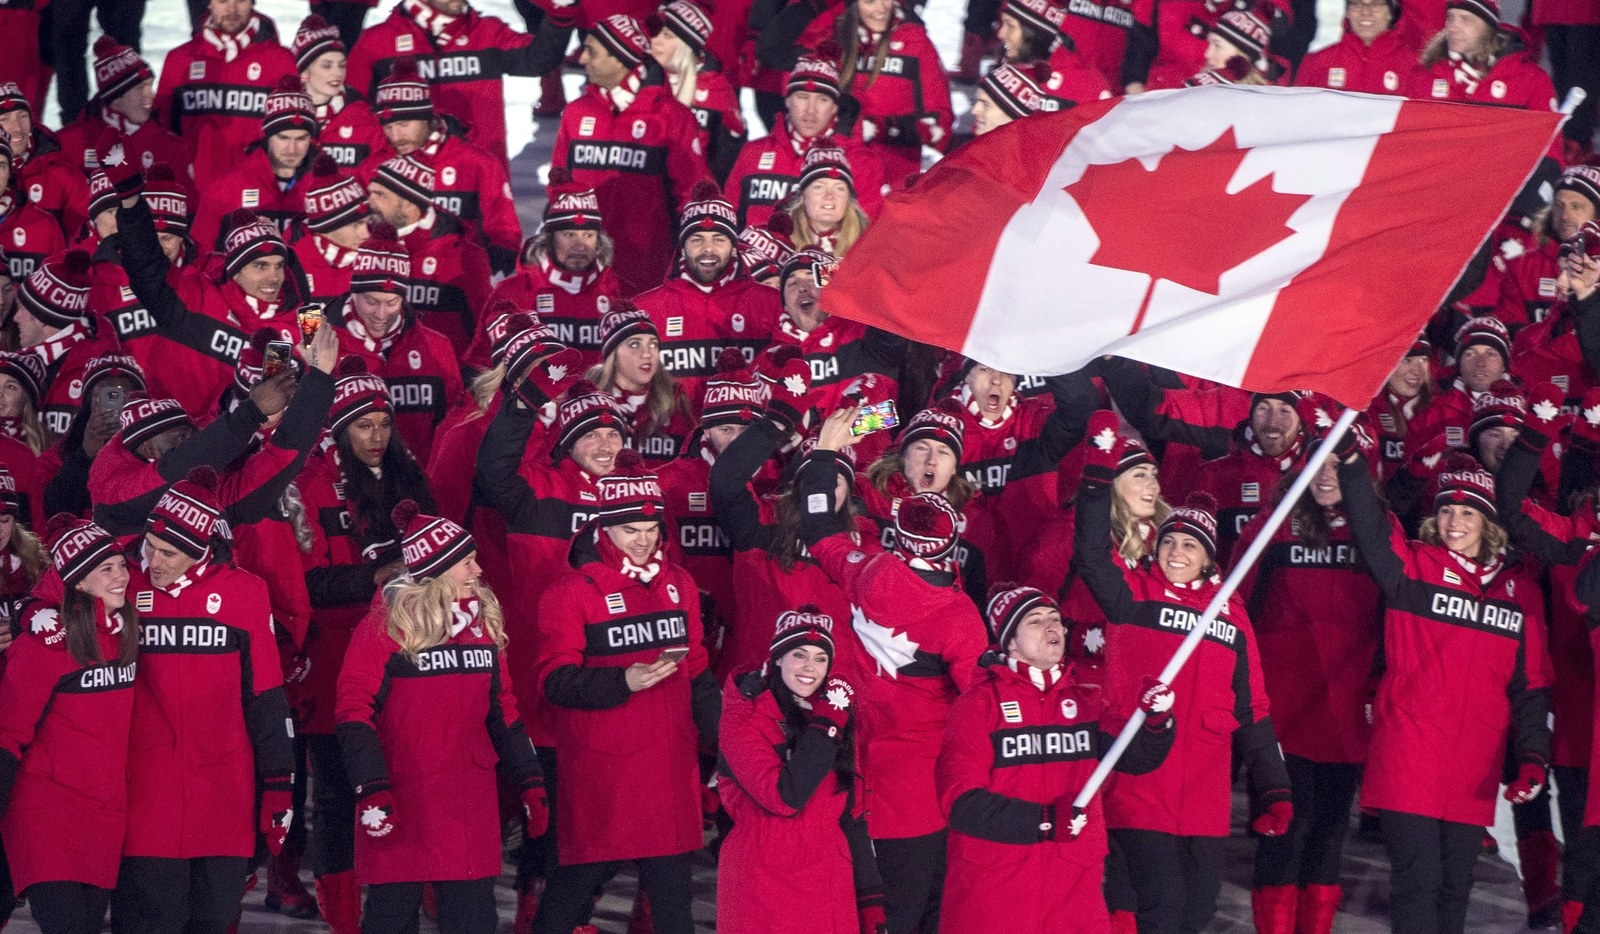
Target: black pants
[
  {"x": 1580, "y": 849},
  {"x": 1575, "y": 62},
  {"x": 345, "y": 17},
  {"x": 569, "y": 897},
  {"x": 296, "y": 841},
  {"x": 333, "y": 841},
  {"x": 69, "y": 43},
  {"x": 68, "y": 907},
  {"x": 8, "y": 893},
  {"x": 913, "y": 881},
  {"x": 178, "y": 896},
  {"x": 465, "y": 907},
  {"x": 1430, "y": 868},
  {"x": 1176, "y": 880},
  {"x": 198, "y": 13},
  {"x": 1310, "y": 853}
]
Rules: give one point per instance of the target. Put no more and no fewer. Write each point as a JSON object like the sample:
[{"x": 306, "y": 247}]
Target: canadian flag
[{"x": 1268, "y": 238}]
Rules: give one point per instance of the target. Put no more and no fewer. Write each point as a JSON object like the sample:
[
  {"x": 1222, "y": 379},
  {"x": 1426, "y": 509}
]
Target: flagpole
[{"x": 1235, "y": 578}]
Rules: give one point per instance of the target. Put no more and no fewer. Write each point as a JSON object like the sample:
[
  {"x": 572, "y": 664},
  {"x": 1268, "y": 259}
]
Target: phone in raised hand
[{"x": 675, "y": 655}]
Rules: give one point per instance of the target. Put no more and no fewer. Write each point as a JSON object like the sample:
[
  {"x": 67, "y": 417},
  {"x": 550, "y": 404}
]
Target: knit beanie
[
  {"x": 408, "y": 176},
  {"x": 78, "y": 546},
  {"x": 708, "y": 212},
  {"x": 1246, "y": 32},
  {"x": 187, "y": 514},
  {"x": 312, "y": 40},
  {"x": 248, "y": 237},
  {"x": 288, "y": 108},
  {"x": 1488, "y": 331},
  {"x": 763, "y": 250},
  {"x": 118, "y": 69},
  {"x": 687, "y": 21},
  {"x": 1464, "y": 482},
  {"x": 29, "y": 372},
  {"x": 817, "y": 72},
  {"x": 1583, "y": 179},
  {"x": 430, "y": 544},
  {"x": 942, "y": 423},
  {"x": 1008, "y": 605},
  {"x": 1043, "y": 15},
  {"x": 102, "y": 195},
  {"x": 57, "y": 292},
  {"x": 1019, "y": 90},
  {"x": 629, "y": 493},
  {"x": 10, "y": 499},
  {"x": 168, "y": 200},
  {"x": 403, "y": 95},
  {"x": 333, "y": 199},
  {"x": 1504, "y": 405},
  {"x": 623, "y": 321},
  {"x": 356, "y": 392},
  {"x": 732, "y": 396},
  {"x": 585, "y": 409},
  {"x": 1487, "y": 10},
  {"x": 926, "y": 526},
  {"x": 570, "y": 206},
  {"x": 1198, "y": 517},
  {"x": 382, "y": 263},
  {"x": 825, "y": 162},
  {"x": 623, "y": 37},
  {"x": 804, "y": 625},
  {"x": 107, "y": 366},
  {"x": 144, "y": 418}
]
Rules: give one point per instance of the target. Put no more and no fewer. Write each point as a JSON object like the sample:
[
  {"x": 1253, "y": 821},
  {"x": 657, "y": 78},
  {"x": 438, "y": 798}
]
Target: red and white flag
[{"x": 1267, "y": 238}]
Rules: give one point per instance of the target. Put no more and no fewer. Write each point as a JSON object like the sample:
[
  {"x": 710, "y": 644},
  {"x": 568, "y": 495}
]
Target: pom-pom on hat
[
  {"x": 383, "y": 264},
  {"x": 763, "y": 250},
  {"x": 77, "y": 546},
  {"x": 187, "y": 514},
  {"x": 629, "y": 493},
  {"x": 403, "y": 95},
  {"x": 1198, "y": 517},
  {"x": 356, "y": 392},
  {"x": 708, "y": 212},
  {"x": 570, "y": 206},
  {"x": 623, "y": 37},
  {"x": 118, "y": 69},
  {"x": 1009, "y": 605},
  {"x": 315, "y": 38},
  {"x": 926, "y": 526},
  {"x": 288, "y": 107},
  {"x": 585, "y": 409},
  {"x": 1464, "y": 482},
  {"x": 1488, "y": 331},
  {"x": 143, "y": 419},
  {"x": 806, "y": 624},
  {"x": 430, "y": 545},
  {"x": 408, "y": 176},
  {"x": 29, "y": 372},
  {"x": 1246, "y": 32},
  {"x": 817, "y": 71},
  {"x": 57, "y": 292},
  {"x": 333, "y": 199},
  {"x": 623, "y": 321},
  {"x": 248, "y": 237},
  {"x": 733, "y": 396},
  {"x": 942, "y": 423}
]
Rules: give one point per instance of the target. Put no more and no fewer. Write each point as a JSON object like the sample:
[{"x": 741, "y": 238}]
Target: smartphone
[
  {"x": 822, "y": 272},
  {"x": 276, "y": 359},
  {"x": 310, "y": 320},
  {"x": 674, "y": 655},
  {"x": 875, "y": 417}
]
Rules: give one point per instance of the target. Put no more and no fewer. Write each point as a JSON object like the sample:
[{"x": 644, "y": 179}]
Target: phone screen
[
  {"x": 276, "y": 359},
  {"x": 876, "y": 417},
  {"x": 675, "y": 655}
]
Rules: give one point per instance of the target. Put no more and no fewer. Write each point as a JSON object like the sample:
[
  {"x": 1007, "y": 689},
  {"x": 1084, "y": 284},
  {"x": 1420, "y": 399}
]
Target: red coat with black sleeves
[
  {"x": 1196, "y": 422},
  {"x": 925, "y": 636},
  {"x": 630, "y": 784},
  {"x": 908, "y": 101},
  {"x": 1012, "y": 748},
  {"x": 1099, "y": 30},
  {"x": 64, "y": 746},
  {"x": 1073, "y": 80},
  {"x": 471, "y": 184},
  {"x": 840, "y": 351},
  {"x": 28, "y": 235},
  {"x": 144, "y": 147},
  {"x": 698, "y": 542},
  {"x": 643, "y": 164},
  {"x": 768, "y": 169},
  {"x": 465, "y": 68},
  {"x": 449, "y": 278},
  {"x": 1316, "y": 612},
  {"x": 793, "y": 832},
  {"x": 64, "y": 390},
  {"x": 1527, "y": 286},
  {"x": 1467, "y": 671},
  {"x": 697, "y": 323},
  {"x": 209, "y": 717},
  {"x": 431, "y": 726},
  {"x": 216, "y": 104},
  {"x": 1549, "y": 352},
  {"x": 569, "y": 305},
  {"x": 53, "y": 183},
  {"x": 1242, "y": 483},
  {"x": 349, "y": 134},
  {"x": 1221, "y": 694},
  {"x": 423, "y": 373},
  {"x": 251, "y": 182},
  {"x": 1387, "y": 66}
]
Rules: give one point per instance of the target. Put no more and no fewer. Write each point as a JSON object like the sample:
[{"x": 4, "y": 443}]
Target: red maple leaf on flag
[{"x": 1177, "y": 221}]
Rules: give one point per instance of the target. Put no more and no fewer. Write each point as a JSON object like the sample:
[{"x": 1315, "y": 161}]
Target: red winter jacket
[
  {"x": 1221, "y": 696},
  {"x": 907, "y": 103},
  {"x": 52, "y": 183},
  {"x": 349, "y": 133},
  {"x": 629, "y": 773},
  {"x": 216, "y": 104},
  {"x": 1466, "y": 671},
  {"x": 1387, "y": 66},
  {"x": 1549, "y": 352},
  {"x": 1049, "y": 568},
  {"x": 1527, "y": 285},
  {"x": 925, "y": 636},
  {"x": 789, "y": 844},
  {"x": 697, "y": 323},
  {"x": 1179, "y": 53},
  {"x": 423, "y": 373},
  {"x": 327, "y": 265},
  {"x": 84, "y": 340},
  {"x": 1099, "y": 29},
  {"x": 29, "y": 472},
  {"x": 1073, "y": 80},
  {"x": 768, "y": 169},
  {"x": 1316, "y": 613},
  {"x": 431, "y": 727},
  {"x": 449, "y": 278},
  {"x": 64, "y": 749},
  {"x": 144, "y": 147},
  {"x": 464, "y": 67},
  {"x": 20, "y": 20},
  {"x": 250, "y": 182},
  {"x": 28, "y": 235},
  {"x": 698, "y": 542},
  {"x": 1014, "y": 745},
  {"x": 1196, "y": 420},
  {"x": 643, "y": 164},
  {"x": 1514, "y": 80},
  {"x": 569, "y": 305},
  {"x": 1241, "y": 483},
  {"x": 209, "y": 718},
  {"x": 470, "y": 183},
  {"x": 1391, "y": 418}
]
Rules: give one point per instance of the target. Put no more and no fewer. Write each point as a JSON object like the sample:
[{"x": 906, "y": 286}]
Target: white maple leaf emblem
[
  {"x": 1105, "y": 440},
  {"x": 1323, "y": 419},
  {"x": 1160, "y": 701},
  {"x": 796, "y": 384},
  {"x": 839, "y": 698},
  {"x": 116, "y": 157},
  {"x": 373, "y": 818},
  {"x": 46, "y": 621},
  {"x": 1094, "y": 641},
  {"x": 1545, "y": 410},
  {"x": 1079, "y": 821},
  {"x": 1592, "y": 415},
  {"x": 557, "y": 372},
  {"x": 891, "y": 650},
  {"x": 1432, "y": 460}
]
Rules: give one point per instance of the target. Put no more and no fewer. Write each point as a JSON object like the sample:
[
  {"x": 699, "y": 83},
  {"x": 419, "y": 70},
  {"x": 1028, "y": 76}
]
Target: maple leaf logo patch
[
  {"x": 1179, "y": 238},
  {"x": 840, "y": 698},
  {"x": 796, "y": 384},
  {"x": 373, "y": 818},
  {"x": 1094, "y": 641},
  {"x": 46, "y": 622},
  {"x": 557, "y": 372}
]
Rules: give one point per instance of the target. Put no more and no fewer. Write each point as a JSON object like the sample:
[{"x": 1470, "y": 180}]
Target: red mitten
[
  {"x": 375, "y": 811},
  {"x": 1586, "y": 427},
  {"x": 872, "y": 919},
  {"x": 830, "y": 707},
  {"x": 1156, "y": 702},
  {"x": 1545, "y": 421},
  {"x": 1525, "y": 787},
  {"x": 1317, "y": 415},
  {"x": 117, "y": 163},
  {"x": 1066, "y": 820},
  {"x": 536, "y": 805},
  {"x": 298, "y": 670},
  {"x": 788, "y": 374},
  {"x": 550, "y": 377},
  {"x": 1274, "y": 820},
  {"x": 277, "y": 810},
  {"x": 1100, "y": 459},
  {"x": 1424, "y": 462}
]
